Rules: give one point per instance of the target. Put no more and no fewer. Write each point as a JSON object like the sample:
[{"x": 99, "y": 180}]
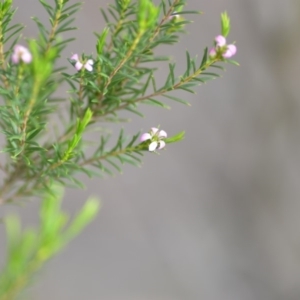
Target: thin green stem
[
  {"x": 117, "y": 29},
  {"x": 155, "y": 33},
  {"x": 164, "y": 19},
  {"x": 20, "y": 77},
  {"x": 121, "y": 64},
  {"x": 55, "y": 25},
  {"x": 18, "y": 284},
  {"x": 2, "y": 58},
  {"x": 162, "y": 91},
  {"x": 109, "y": 154},
  {"x": 9, "y": 183},
  {"x": 40, "y": 179},
  {"x": 28, "y": 111}
]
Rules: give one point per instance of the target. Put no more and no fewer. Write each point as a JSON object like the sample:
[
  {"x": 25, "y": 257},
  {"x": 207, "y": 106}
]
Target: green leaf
[
  {"x": 177, "y": 99},
  {"x": 175, "y": 138},
  {"x": 225, "y": 24},
  {"x": 101, "y": 40},
  {"x": 83, "y": 218}
]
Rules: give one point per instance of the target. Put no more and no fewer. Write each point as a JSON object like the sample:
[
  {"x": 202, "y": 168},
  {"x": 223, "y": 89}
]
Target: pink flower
[
  {"x": 231, "y": 50},
  {"x": 226, "y": 51},
  {"x": 21, "y": 54},
  {"x": 220, "y": 41},
  {"x": 88, "y": 65},
  {"x": 156, "y": 137}
]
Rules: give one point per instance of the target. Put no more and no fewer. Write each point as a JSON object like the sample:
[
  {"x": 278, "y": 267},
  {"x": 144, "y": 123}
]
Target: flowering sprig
[
  {"x": 79, "y": 64},
  {"x": 116, "y": 79},
  {"x": 155, "y": 136}
]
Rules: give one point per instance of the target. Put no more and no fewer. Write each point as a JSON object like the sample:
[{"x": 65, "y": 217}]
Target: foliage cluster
[{"x": 120, "y": 77}]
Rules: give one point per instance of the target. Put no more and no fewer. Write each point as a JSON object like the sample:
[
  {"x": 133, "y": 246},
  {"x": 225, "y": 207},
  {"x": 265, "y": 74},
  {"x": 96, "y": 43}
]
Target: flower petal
[
  {"x": 231, "y": 50},
  {"x": 19, "y": 49},
  {"x": 15, "y": 58},
  {"x": 162, "y": 144},
  {"x": 220, "y": 41},
  {"x": 26, "y": 57},
  {"x": 162, "y": 134},
  {"x": 88, "y": 67},
  {"x": 153, "y": 146},
  {"x": 75, "y": 57},
  {"x": 90, "y": 62},
  {"x": 78, "y": 66},
  {"x": 145, "y": 137},
  {"x": 154, "y": 130}
]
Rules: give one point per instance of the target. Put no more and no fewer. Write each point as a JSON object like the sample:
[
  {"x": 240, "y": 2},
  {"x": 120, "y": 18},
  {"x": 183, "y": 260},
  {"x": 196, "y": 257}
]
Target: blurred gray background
[{"x": 216, "y": 216}]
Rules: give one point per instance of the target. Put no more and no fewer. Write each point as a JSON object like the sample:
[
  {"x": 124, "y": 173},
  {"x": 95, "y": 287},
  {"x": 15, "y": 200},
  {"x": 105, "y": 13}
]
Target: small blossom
[
  {"x": 226, "y": 51},
  {"x": 20, "y": 53},
  {"x": 156, "y": 137},
  {"x": 231, "y": 50},
  {"x": 220, "y": 41},
  {"x": 88, "y": 65}
]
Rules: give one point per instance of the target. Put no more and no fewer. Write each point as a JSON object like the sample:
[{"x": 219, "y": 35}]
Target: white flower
[
  {"x": 21, "y": 53},
  {"x": 88, "y": 65},
  {"x": 156, "y": 137}
]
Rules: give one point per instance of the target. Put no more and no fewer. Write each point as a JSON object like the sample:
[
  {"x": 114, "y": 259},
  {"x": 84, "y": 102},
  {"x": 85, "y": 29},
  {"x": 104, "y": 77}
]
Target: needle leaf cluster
[{"x": 45, "y": 137}]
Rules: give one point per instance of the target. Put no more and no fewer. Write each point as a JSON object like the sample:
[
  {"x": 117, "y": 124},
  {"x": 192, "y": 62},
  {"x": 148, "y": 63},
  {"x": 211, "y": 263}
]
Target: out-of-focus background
[{"x": 216, "y": 216}]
